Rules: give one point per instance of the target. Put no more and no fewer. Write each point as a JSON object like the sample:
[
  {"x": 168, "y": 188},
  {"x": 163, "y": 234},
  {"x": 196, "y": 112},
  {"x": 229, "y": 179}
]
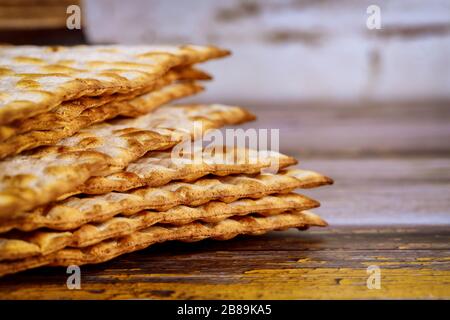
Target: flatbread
[
  {"x": 75, "y": 211},
  {"x": 20, "y": 245},
  {"x": 68, "y": 111},
  {"x": 157, "y": 168},
  {"x": 33, "y": 139},
  {"x": 37, "y": 79},
  {"x": 194, "y": 231},
  {"x": 27, "y": 181}
]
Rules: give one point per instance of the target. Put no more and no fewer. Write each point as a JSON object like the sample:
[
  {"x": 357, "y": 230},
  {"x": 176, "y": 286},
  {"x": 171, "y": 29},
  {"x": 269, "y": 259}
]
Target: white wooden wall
[{"x": 296, "y": 50}]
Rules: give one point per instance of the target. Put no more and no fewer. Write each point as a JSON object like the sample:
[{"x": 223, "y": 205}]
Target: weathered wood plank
[
  {"x": 383, "y": 191},
  {"x": 357, "y": 129},
  {"x": 328, "y": 263}
]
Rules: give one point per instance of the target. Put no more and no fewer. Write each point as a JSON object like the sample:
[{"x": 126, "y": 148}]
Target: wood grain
[
  {"x": 32, "y": 15},
  {"x": 398, "y": 190},
  {"x": 357, "y": 129},
  {"x": 317, "y": 264}
]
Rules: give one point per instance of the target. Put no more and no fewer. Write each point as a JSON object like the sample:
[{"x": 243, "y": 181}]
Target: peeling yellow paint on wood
[
  {"x": 383, "y": 258},
  {"x": 433, "y": 259},
  {"x": 300, "y": 283},
  {"x": 336, "y": 268},
  {"x": 422, "y": 261}
]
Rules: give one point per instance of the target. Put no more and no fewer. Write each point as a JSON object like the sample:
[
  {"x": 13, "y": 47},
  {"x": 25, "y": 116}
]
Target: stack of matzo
[{"x": 79, "y": 187}]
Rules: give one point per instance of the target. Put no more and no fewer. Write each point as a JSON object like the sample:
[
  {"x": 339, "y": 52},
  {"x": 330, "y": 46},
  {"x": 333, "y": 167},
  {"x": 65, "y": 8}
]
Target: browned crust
[
  {"x": 79, "y": 87},
  {"x": 75, "y": 211},
  {"x": 194, "y": 231},
  {"x": 68, "y": 111},
  {"x": 100, "y": 150},
  {"x": 154, "y": 169},
  {"x": 66, "y": 128},
  {"x": 18, "y": 245}
]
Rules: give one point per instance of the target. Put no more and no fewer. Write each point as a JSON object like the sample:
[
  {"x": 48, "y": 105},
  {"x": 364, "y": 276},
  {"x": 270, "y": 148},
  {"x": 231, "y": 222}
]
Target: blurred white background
[{"x": 296, "y": 50}]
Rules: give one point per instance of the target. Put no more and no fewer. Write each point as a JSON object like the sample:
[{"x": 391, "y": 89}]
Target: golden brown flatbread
[
  {"x": 75, "y": 211},
  {"x": 27, "y": 181},
  {"x": 37, "y": 79},
  {"x": 194, "y": 231},
  {"x": 20, "y": 245}
]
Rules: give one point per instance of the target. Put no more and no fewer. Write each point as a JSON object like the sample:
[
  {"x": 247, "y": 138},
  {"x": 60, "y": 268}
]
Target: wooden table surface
[
  {"x": 389, "y": 207},
  {"x": 318, "y": 264}
]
